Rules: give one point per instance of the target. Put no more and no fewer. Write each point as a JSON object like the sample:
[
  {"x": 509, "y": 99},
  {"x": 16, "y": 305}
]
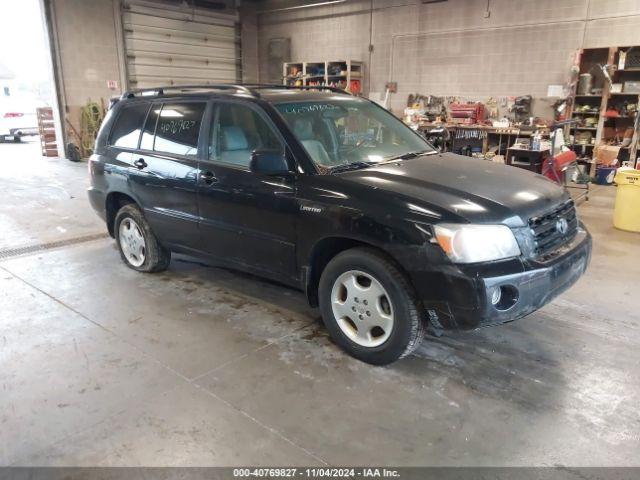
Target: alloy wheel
[
  {"x": 132, "y": 242},
  {"x": 362, "y": 308}
]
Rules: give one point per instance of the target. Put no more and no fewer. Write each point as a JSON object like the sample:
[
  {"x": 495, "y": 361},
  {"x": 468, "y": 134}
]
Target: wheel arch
[
  {"x": 114, "y": 202},
  {"x": 322, "y": 252}
]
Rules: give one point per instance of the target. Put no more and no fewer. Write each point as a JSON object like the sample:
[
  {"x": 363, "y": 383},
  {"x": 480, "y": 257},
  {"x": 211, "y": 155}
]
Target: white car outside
[{"x": 17, "y": 118}]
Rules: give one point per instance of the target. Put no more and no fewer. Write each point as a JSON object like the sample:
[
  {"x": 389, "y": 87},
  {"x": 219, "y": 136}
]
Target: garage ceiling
[{"x": 175, "y": 45}]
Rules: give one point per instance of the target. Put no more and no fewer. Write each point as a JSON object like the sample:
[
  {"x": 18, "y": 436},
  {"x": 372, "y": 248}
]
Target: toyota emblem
[{"x": 562, "y": 226}]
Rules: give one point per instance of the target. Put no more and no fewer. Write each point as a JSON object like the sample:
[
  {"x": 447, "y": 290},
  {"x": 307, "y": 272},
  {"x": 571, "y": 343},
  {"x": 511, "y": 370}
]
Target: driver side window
[{"x": 237, "y": 131}]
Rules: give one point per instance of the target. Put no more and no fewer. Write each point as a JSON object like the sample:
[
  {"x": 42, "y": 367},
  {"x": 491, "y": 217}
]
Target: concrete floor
[{"x": 100, "y": 365}]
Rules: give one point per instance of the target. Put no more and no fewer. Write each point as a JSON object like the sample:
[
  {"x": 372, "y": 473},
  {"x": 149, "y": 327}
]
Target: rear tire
[
  {"x": 369, "y": 307},
  {"x": 139, "y": 247}
]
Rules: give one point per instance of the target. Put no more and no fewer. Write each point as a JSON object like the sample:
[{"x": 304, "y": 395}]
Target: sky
[{"x": 22, "y": 40}]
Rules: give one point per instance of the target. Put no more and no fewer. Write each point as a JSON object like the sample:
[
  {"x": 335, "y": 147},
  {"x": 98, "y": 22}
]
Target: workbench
[{"x": 479, "y": 137}]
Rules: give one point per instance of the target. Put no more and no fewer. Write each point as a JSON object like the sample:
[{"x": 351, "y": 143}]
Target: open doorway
[{"x": 28, "y": 105}]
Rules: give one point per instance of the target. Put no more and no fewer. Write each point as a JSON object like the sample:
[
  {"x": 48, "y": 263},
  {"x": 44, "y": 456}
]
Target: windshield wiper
[
  {"x": 350, "y": 166},
  {"x": 409, "y": 155}
]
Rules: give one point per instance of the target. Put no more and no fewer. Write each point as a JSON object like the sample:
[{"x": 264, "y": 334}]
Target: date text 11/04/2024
[{"x": 315, "y": 473}]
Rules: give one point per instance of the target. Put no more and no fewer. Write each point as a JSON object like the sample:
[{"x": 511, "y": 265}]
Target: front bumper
[
  {"x": 535, "y": 288},
  {"x": 466, "y": 293}
]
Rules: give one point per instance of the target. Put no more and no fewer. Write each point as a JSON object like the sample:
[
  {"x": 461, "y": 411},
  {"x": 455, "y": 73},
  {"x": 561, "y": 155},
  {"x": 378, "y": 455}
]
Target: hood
[{"x": 466, "y": 188}]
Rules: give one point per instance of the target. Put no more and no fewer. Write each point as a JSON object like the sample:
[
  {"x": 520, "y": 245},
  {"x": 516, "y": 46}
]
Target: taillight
[{"x": 13, "y": 114}]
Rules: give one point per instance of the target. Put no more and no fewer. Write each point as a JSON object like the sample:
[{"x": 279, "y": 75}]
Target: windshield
[{"x": 343, "y": 131}]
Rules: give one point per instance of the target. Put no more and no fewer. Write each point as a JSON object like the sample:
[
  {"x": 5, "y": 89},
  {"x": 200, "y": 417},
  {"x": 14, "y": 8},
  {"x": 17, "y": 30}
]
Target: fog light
[
  {"x": 496, "y": 295},
  {"x": 503, "y": 297}
]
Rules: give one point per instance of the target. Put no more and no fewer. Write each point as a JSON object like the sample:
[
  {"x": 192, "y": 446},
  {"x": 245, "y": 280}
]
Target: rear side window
[
  {"x": 146, "y": 143},
  {"x": 177, "y": 127},
  {"x": 126, "y": 129}
]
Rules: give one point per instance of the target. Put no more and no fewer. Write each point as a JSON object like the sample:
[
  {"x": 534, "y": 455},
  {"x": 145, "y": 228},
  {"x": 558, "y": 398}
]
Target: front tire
[
  {"x": 139, "y": 247},
  {"x": 369, "y": 307}
]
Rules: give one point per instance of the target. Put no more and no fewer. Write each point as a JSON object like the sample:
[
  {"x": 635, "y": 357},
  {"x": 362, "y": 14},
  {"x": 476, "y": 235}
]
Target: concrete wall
[
  {"x": 87, "y": 53},
  {"x": 453, "y": 48},
  {"x": 249, "y": 45},
  {"x": 447, "y": 48}
]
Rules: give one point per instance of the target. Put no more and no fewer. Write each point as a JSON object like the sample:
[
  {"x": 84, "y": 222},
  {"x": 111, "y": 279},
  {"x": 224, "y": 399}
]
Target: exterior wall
[{"x": 451, "y": 48}]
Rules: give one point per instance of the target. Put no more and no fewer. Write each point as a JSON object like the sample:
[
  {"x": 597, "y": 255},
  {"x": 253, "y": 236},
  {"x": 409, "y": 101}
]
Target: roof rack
[
  {"x": 297, "y": 87},
  {"x": 248, "y": 88},
  {"x": 183, "y": 88}
]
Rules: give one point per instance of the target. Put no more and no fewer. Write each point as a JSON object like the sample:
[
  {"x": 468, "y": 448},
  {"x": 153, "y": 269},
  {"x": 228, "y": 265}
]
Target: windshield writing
[{"x": 350, "y": 131}]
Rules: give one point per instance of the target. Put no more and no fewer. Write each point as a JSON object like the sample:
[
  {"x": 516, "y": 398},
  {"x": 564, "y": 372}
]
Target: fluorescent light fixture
[{"x": 298, "y": 7}]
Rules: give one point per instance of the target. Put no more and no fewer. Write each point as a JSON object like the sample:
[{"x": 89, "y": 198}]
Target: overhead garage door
[{"x": 169, "y": 44}]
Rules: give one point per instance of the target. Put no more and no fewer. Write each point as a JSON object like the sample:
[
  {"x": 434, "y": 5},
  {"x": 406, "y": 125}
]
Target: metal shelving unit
[
  {"x": 590, "y": 61},
  {"x": 345, "y": 74}
]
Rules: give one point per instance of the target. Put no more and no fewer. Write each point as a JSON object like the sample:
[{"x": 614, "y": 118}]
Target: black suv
[{"x": 331, "y": 193}]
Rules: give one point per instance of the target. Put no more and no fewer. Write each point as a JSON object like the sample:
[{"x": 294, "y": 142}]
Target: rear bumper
[
  {"x": 23, "y": 132},
  {"x": 97, "y": 200},
  {"x": 466, "y": 292}
]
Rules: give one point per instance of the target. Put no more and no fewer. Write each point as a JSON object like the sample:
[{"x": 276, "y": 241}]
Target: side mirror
[{"x": 269, "y": 162}]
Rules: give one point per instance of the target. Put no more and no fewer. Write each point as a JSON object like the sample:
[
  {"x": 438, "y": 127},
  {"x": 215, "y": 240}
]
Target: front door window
[{"x": 238, "y": 131}]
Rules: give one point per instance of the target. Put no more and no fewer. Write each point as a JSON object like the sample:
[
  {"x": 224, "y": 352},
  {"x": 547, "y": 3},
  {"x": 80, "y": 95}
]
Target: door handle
[
  {"x": 140, "y": 163},
  {"x": 208, "y": 177}
]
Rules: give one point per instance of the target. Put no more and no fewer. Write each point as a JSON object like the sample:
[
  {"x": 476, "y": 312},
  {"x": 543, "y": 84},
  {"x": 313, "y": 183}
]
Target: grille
[{"x": 546, "y": 232}]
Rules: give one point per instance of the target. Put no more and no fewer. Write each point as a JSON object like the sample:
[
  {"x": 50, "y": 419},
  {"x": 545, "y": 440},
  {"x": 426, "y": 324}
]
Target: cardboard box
[{"x": 606, "y": 154}]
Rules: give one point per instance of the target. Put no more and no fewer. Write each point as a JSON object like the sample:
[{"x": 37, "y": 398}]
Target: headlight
[{"x": 476, "y": 243}]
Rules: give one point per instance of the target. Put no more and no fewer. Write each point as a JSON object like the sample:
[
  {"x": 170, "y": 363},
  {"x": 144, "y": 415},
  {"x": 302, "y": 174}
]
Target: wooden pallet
[{"x": 47, "y": 132}]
